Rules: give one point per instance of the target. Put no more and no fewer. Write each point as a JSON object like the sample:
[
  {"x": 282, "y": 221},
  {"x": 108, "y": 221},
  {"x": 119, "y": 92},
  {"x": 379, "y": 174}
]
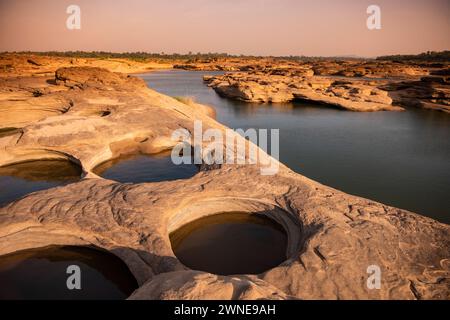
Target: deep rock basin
[
  {"x": 42, "y": 274},
  {"x": 139, "y": 168},
  {"x": 231, "y": 243},
  {"x": 20, "y": 179}
]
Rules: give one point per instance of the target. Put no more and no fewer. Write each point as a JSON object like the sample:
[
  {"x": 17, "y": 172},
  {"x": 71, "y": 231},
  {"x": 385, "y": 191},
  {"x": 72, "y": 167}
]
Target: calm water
[
  {"x": 230, "y": 243},
  {"x": 144, "y": 168},
  {"x": 23, "y": 178},
  {"x": 41, "y": 274},
  {"x": 398, "y": 158}
]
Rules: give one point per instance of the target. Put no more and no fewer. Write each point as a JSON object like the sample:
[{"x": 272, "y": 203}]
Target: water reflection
[
  {"x": 398, "y": 158},
  {"x": 20, "y": 179},
  {"x": 144, "y": 168},
  {"x": 42, "y": 274},
  {"x": 231, "y": 243}
]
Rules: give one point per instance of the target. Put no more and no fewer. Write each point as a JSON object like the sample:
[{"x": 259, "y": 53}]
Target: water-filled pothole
[
  {"x": 20, "y": 179},
  {"x": 231, "y": 243},
  {"x": 145, "y": 168},
  {"x": 42, "y": 274}
]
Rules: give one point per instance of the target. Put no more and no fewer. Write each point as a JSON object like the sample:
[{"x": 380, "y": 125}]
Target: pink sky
[{"x": 260, "y": 27}]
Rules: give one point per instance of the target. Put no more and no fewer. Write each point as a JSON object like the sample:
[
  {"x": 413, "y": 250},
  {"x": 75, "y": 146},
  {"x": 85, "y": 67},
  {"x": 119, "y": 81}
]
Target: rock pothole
[
  {"x": 56, "y": 272},
  {"x": 17, "y": 180},
  {"x": 139, "y": 168},
  {"x": 252, "y": 238},
  {"x": 231, "y": 243}
]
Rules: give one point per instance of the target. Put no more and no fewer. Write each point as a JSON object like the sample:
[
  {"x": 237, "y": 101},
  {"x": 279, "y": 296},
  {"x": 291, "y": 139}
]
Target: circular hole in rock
[
  {"x": 231, "y": 243},
  {"x": 145, "y": 168},
  {"x": 43, "y": 274},
  {"x": 20, "y": 179}
]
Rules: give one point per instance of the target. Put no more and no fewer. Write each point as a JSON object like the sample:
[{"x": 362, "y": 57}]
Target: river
[{"x": 397, "y": 158}]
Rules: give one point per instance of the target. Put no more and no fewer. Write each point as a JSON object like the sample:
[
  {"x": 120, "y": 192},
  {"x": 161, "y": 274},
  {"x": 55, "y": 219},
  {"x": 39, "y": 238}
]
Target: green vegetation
[
  {"x": 429, "y": 56},
  {"x": 137, "y": 56},
  {"x": 144, "y": 56}
]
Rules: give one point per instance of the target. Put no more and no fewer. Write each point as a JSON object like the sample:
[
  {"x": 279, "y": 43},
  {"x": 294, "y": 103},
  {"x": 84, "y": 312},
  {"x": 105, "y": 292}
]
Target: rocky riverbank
[
  {"x": 431, "y": 92},
  {"x": 95, "y": 115},
  {"x": 286, "y": 86},
  {"x": 12, "y": 65},
  {"x": 319, "y": 66},
  {"x": 353, "y": 94}
]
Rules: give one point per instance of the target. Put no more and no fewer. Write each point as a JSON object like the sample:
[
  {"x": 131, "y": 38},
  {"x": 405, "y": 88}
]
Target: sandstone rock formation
[
  {"x": 25, "y": 95},
  {"x": 369, "y": 69},
  {"x": 223, "y": 64},
  {"x": 97, "y": 101},
  {"x": 354, "y": 84},
  {"x": 22, "y": 101},
  {"x": 431, "y": 92},
  {"x": 288, "y": 85},
  {"x": 332, "y": 237},
  {"x": 190, "y": 101},
  {"x": 195, "y": 285},
  {"x": 27, "y": 65},
  {"x": 356, "y": 68}
]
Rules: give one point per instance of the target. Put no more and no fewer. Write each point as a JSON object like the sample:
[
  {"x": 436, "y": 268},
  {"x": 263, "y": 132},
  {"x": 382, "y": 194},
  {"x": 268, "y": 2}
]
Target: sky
[{"x": 251, "y": 27}]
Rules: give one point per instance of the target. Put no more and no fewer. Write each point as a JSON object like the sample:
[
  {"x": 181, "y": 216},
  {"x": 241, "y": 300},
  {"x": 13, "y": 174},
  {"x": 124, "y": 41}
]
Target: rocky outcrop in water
[
  {"x": 287, "y": 85},
  {"x": 357, "y": 68},
  {"x": 224, "y": 64},
  {"x": 333, "y": 237},
  {"x": 356, "y": 85},
  {"x": 370, "y": 69},
  {"x": 431, "y": 92},
  {"x": 350, "y": 93}
]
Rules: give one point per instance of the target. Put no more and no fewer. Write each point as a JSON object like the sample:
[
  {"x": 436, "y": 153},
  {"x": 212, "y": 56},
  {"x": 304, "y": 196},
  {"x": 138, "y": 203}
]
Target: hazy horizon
[
  {"x": 206, "y": 53},
  {"x": 250, "y": 27}
]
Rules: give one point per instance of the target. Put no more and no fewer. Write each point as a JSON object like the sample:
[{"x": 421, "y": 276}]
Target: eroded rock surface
[
  {"x": 288, "y": 85},
  {"x": 356, "y": 68},
  {"x": 369, "y": 69},
  {"x": 195, "y": 285},
  {"x": 399, "y": 86},
  {"x": 431, "y": 92},
  {"x": 27, "y": 64},
  {"x": 332, "y": 237}
]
